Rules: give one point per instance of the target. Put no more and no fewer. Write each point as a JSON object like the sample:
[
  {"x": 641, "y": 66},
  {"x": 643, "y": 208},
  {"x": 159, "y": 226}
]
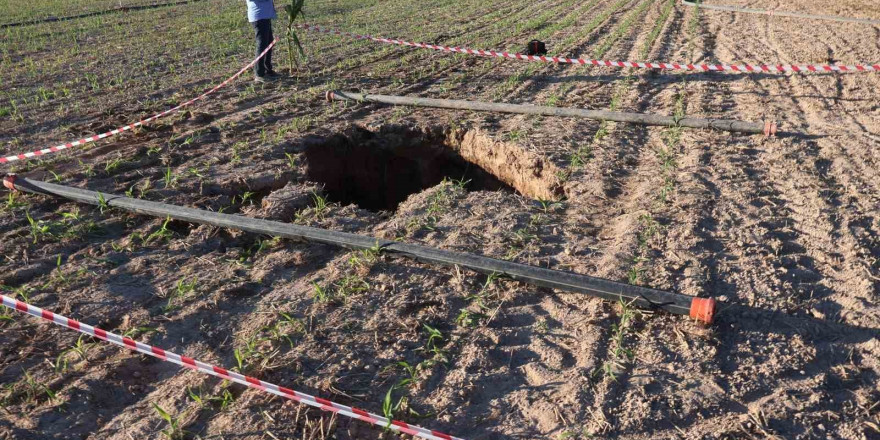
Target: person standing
[{"x": 260, "y": 15}]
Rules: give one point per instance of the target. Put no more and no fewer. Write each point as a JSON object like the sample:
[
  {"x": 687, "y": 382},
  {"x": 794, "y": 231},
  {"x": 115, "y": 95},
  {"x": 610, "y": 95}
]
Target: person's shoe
[
  {"x": 262, "y": 79},
  {"x": 273, "y": 74}
]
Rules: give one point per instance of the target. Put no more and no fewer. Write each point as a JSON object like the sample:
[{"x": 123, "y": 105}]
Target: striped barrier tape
[
  {"x": 116, "y": 131},
  {"x": 742, "y": 68},
  {"x": 781, "y": 13},
  {"x": 201, "y": 367}
]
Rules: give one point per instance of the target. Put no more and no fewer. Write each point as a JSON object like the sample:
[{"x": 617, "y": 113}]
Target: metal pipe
[
  {"x": 702, "y": 309},
  {"x": 781, "y": 13},
  {"x": 767, "y": 128}
]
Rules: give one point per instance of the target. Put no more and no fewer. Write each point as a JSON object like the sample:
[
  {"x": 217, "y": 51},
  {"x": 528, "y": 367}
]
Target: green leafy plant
[
  {"x": 620, "y": 353},
  {"x": 12, "y": 202},
  {"x": 174, "y": 431},
  {"x": 434, "y": 344},
  {"x": 102, "y": 203},
  {"x": 80, "y": 348},
  {"x": 182, "y": 289},
  {"x": 169, "y": 178},
  {"x": 291, "y": 160},
  {"x": 162, "y": 233},
  {"x": 321, "y": 293},
  {"x": 320, "y": 206},
  {"x": 466, "y": 318},
  {"x": 389, "y": 408},
  {"x": 224, "y": 399},
  {"x": 293, "y": 10},
  {"x": 39, "y": 229}
]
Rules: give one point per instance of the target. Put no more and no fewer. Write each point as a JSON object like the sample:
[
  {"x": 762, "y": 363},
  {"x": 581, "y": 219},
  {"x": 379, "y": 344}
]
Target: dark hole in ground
[{"x": 379, "y": 170}]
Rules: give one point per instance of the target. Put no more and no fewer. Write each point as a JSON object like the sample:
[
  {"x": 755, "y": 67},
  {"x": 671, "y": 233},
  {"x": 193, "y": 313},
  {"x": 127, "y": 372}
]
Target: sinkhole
[{"x": 377, "y": 170}]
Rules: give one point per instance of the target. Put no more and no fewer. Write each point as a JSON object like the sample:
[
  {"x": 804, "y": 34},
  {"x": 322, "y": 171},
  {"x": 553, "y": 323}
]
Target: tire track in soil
[
  {"x": 437, "y": 76},
  {"x": 139, "y": 32},
  {"x": 533, "y": 87},
  {"x": 816, "y": 112},
  {"x": 619, "y": 214},
  {"x": 731, "y": 179},
  {"x": 852, "y": 227},
  {"x": 584, "y": 40},
  {"x": 655, "y": 387},
  {"x": 109, "y": 355},
  {"x": 629, "y": 399},
  {"x": 387, "y": 52},
  {"x": 600, "y": 95},
  {"x": 483, "y": 65},
  {"x": 421, "y": 55},
  {"x": 192, "y": 85}
]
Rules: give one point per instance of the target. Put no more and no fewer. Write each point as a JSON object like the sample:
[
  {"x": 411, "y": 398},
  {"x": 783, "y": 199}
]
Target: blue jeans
[{"x": 263, "y": 30}]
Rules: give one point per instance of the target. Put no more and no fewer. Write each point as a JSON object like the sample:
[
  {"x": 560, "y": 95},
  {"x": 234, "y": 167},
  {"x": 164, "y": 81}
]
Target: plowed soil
[{"x": 784, "y": 231}]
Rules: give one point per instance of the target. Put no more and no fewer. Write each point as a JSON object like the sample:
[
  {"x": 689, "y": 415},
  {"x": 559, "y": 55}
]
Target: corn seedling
[
  {"x": 80, "y": 349},
  {"x": 113, "y": 165},
  {"x": 284, "y": 328},
  {"x": 320, "y": 206},
  {"x": 12, "y": 202},
  {"x": 246, "y": 197},
  {"x": 60, "y": 273},
  {"x": 173, "y": 431},
  {"x": 466, "y": 318},
  {"x": 87, "y": 170},
  {"x": 291, "y": 160},
  {"x": 541, "y": 326},
  {"x": 433, "y": 346},
  {"x": 162, "y": 233},
  {"x": 581, "y": 156},
  {"x": 224, "y": 399},
  {"x": 6, "y": 315},
  {"x": 39, "y": 229},
  {"x": 351, "y": 284},
  {"x": 389, "y": 408},
  {"x": 365, "y": 258},
  {"x": 197, "y": 396},
  {"x": 137, "y": 332},
  {"x": 32, "y": 387},
  {"x": 411, "y": 371},
  {"x": 102, "y": 203},
  {"x": 181, "y": 290},
  {"x": 619, "y": 332},
  {"x": 24, "y": 292},
  {"x": 169, "y": 178},
  {"x": 247, "y": 355},
  {"x": 293, "y": 10},
  {"x": 480, "y": 297}
]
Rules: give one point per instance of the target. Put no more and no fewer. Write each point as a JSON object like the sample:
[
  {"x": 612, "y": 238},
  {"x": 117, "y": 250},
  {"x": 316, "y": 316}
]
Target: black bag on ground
[{"x": 536, "y": 47}]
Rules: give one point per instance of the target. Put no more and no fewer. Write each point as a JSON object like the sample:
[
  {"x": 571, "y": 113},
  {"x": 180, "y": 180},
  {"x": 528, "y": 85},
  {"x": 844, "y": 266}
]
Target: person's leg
[
  {"x": 268, "y": 41},
  {"x": 259, "y": 67},
  {"x": 264, "y": 38}
]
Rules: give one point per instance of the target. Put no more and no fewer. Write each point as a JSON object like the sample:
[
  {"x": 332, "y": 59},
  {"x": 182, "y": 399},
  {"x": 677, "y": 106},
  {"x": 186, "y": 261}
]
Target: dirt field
[{"x": 785, "y": 231}]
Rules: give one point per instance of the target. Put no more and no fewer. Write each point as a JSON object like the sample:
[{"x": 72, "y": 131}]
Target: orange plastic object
[
  {"x": 703, "y": 310},
  {"x": 9, "y": 182}
]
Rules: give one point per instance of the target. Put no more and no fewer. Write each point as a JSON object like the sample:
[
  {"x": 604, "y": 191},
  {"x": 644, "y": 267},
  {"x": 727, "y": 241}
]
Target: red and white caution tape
[
  {"x": 222, "y": 373},
  {"x": 116, "y": 131},
  {"x": 582, "y": 61}
]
